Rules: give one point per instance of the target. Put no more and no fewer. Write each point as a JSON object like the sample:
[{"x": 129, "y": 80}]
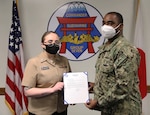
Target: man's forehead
[{"x": 110, "y": 18}]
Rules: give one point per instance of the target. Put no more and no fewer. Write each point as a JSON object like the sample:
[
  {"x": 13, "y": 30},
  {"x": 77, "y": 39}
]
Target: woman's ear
[{"x": 43, "y": 46}]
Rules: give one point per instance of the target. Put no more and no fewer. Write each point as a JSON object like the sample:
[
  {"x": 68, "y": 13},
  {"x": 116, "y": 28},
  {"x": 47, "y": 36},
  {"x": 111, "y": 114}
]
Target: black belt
[{"x": 55, "y": 113}]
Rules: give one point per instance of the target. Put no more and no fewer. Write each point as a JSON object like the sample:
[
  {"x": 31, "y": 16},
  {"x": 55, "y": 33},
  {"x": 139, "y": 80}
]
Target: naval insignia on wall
[{"x": 78, "y": 26}]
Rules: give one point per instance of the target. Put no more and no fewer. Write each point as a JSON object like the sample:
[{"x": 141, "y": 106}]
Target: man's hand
[
  {"x": 91, "y": 85},
  {"x": 91, "y": 104}
]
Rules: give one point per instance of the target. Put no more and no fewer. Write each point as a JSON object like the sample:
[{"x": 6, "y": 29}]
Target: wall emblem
[{"x": 78, "y": 26}]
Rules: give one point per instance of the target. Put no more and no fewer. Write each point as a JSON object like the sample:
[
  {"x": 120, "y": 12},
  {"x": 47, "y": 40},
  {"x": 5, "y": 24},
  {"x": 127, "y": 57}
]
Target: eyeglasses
[
  {"x": 51, "y": 45},
  {"x": 57, "y": 42}
]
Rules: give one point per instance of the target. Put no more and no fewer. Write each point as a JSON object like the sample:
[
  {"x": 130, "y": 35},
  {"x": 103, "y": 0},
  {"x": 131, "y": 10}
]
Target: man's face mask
[
  {"x": 52, "y": 48},
  {"x": 109, "y": 32}
]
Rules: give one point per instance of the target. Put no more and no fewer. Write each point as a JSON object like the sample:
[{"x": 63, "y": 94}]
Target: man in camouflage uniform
[{"x": 116, "y": 88}]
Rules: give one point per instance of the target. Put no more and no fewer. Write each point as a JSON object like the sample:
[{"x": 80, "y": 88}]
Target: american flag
[{"x": 14, "y": 95}]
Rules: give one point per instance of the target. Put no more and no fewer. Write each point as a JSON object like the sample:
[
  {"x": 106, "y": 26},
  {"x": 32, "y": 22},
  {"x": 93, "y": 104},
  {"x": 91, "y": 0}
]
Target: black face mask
[{"x": 52, "y": 48}]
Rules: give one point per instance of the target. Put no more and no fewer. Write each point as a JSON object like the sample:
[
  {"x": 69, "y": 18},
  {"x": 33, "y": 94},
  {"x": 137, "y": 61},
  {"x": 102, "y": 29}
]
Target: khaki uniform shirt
[
  {"x": 41, "y": 72},
  {"x": 116, "y": 83}
]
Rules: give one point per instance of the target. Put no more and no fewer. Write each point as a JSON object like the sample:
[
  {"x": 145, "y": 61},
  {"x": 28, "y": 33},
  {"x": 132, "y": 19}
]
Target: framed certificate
[{"x": 75, "y": 87}]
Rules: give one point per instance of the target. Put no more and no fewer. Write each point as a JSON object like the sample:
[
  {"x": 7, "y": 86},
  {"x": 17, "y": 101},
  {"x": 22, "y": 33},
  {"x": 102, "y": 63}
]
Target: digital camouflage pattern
[{"x": 116, "y": 82}]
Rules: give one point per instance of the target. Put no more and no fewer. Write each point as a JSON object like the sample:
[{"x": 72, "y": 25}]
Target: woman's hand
[{"x": 58, "y": 86}]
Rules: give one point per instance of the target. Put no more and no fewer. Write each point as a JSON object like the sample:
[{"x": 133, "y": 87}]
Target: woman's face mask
[
  {"x": 52, "y": 48},
  {"x": 109, "y": 32}
]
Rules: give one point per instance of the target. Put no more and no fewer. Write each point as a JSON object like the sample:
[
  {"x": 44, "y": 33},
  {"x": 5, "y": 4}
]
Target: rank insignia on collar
[{"x": 44, "y": 68}]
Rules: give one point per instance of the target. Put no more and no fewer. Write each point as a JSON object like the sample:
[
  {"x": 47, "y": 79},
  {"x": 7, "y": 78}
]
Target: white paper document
[{"x": 75, "y": 87}]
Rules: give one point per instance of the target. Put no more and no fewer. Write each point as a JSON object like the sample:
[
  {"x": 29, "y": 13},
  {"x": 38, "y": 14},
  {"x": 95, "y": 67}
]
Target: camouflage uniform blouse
[{"x": 116, "y": 83}]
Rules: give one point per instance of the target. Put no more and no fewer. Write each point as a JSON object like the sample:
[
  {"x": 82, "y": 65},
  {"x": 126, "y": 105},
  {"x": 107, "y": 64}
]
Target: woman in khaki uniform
[{"x": 42, "y": 79}]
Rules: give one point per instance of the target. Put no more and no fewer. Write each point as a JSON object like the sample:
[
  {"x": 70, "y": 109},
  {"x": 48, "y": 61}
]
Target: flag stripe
[
  {"x": 11, "y": 84},
  {"x": 11, "y": 65},
  {"x": 18, "y": 67},
  {"x": 10, "y": 101}
]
